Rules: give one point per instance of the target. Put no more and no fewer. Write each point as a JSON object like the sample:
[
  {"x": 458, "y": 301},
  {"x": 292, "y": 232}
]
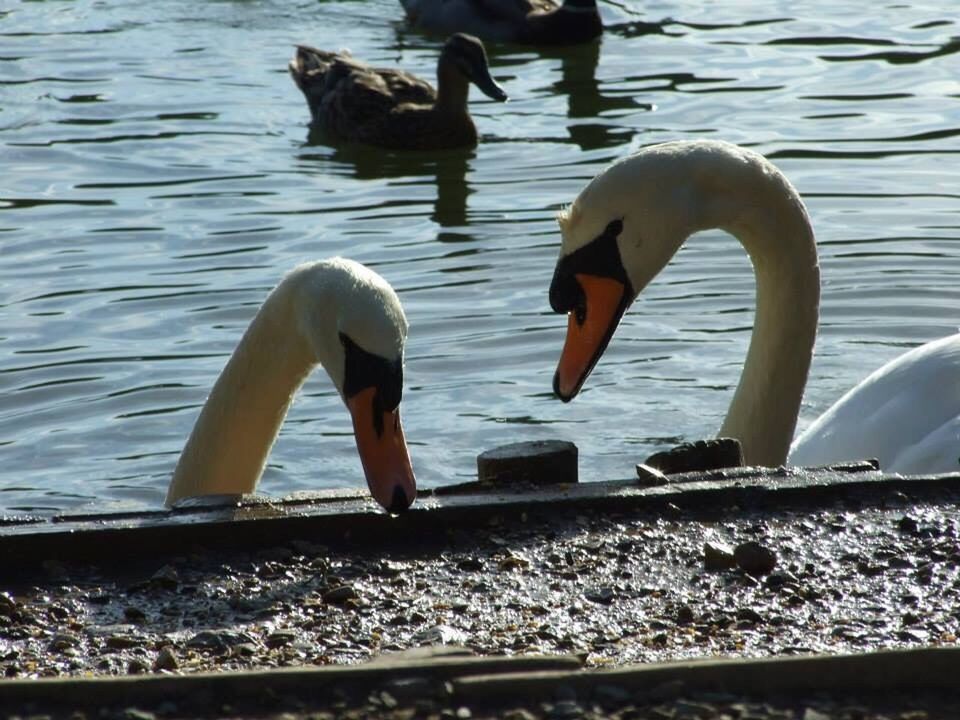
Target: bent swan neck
[
  {"x": 775, "y": 231},
  {"x": 233, "y": 435}
]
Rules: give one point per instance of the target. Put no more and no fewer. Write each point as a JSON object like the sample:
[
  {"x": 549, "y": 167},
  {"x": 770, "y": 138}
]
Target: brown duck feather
[{"x": 353, "y": 101}]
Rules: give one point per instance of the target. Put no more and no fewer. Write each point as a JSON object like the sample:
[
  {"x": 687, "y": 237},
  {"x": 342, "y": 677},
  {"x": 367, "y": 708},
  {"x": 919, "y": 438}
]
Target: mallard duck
[
  {"x": 351, "y": 101},
  {"x": 335, "y": 313},
  {"x": 533, "y": 22},
  {"x": 628, "y": 222}
]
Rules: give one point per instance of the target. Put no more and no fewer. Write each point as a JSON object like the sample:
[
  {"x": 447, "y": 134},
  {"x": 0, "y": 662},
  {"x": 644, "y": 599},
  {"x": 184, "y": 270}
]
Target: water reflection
[
  {"x": 118, "y": 191},
  {"x": 578, "y": 81},
  {"x": 448, "y": 170}
]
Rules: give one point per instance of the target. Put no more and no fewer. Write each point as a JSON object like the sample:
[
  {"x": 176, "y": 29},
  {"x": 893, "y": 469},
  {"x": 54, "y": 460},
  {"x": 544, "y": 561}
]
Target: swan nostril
[{"x": 399, "y": 503}]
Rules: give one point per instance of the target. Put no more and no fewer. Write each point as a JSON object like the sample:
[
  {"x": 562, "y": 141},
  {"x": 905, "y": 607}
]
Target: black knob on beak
[{"x": 400, "y": 503}]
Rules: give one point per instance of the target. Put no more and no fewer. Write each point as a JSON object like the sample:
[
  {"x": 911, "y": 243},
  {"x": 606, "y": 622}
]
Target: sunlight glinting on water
[{"x": 159, "y": 179}]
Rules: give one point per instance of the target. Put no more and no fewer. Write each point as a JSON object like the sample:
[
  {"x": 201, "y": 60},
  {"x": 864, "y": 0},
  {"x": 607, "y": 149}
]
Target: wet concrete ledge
[
  {"x": 201, "y": 693},
  {"x": 350, "y": 518},
  {"x": 488, "y": 682}
]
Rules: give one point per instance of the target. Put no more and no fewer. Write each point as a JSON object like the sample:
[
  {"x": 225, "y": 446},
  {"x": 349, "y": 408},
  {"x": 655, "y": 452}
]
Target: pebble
[
  {"x": 63, "y": 640},
  {"x": 718, "y": 556},
  {"x": 340, "y": 595},
  {"x": 123, "y": 642},
  {"x": 570, "y": 595},
  {"x": 166, "y": 577},
  {"x": 754, "y": 558},
  {"x": 280, "y": 638},
  {"x": 136, "y": 666},
  {"x": 166, "y": 660}
]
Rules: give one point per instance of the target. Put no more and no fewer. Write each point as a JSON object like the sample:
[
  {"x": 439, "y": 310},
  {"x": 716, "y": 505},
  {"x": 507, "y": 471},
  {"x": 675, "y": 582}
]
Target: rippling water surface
[{"x": 156, "y": 179}]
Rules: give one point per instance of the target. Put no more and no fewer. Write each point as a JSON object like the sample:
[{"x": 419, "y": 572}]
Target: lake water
[{"x": 156, "y": 180}]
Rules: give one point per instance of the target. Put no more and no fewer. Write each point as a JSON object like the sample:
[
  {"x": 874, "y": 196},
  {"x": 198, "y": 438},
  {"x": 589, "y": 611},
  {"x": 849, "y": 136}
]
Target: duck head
[{"x": 469, "y": 56}]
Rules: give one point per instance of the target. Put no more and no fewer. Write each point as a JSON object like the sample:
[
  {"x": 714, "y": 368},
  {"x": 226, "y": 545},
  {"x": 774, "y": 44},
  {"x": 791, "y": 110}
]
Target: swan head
[
  {"x": 619, "y": 233},
  {"x": 356, "y": 327}
]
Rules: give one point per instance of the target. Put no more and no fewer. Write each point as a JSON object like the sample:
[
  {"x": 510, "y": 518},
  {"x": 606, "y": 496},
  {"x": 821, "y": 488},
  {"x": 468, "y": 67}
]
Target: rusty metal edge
[{"x": 355, "y": 522}]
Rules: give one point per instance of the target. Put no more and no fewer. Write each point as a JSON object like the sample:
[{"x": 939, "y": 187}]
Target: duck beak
[
  {"x": 383, "y": 452},
  {"x": 588, "y": 332},
  {"x": 488, "y": 86}
]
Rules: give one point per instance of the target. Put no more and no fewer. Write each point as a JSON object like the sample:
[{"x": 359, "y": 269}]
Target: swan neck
[
  {"x": 233, "y": 435},
  {"x": 781, "y": 246}
]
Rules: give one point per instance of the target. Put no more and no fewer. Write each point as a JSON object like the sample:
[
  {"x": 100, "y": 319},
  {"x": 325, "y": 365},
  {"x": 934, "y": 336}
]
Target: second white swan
[
  {"x": 336, "y": 313},
  {"x": 626, "y": 225}
]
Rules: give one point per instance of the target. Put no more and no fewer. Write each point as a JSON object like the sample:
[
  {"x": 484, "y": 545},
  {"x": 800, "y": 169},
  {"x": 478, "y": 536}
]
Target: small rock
[
  {"x": 513, "y": 562},
  {"x": 218, "y": 640},
  {"x": 749, "y": 615},
  {"x": 910, "y": 618},
  {"x": 166, "y": 577},
  {"x": 123, "y": 642},
  {"x": 907, "y": 524},
  {"x": 685, "y": 615},
  {"x": 62, "y": 641},
  {"x": 166, "y": 660},
  {"x": 440, "y": 635},
  {"x": 519, "y": 714},
  {"x": 280, "y": 638},
  {"x": 780, "y": 579},
  {"x": 649, "y": 476},
  {"x": 137, "y": 667},
  {"x": 8, "y": 607},
  {"x": 811, "y": 714},
  {"x": 602, "y": 596},
  {"x": 137, "y": 714},
  {"x": 718, "y": 556},
  {"x": 134, "y": 614},
  {"x": 339, "y": 595},
  {"x": 389, "y": 568},
  {"x": 470, "y": 565},
  {"x": 754, "y": 558}
]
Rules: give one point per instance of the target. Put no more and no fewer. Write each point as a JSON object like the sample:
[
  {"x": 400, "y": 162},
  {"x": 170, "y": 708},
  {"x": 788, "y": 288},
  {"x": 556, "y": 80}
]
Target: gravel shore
[{"x": 613, "y": 588}]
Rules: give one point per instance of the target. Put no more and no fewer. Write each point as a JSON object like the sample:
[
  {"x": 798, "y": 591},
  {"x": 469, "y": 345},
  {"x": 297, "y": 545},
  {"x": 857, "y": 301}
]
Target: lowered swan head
[
  {"x": 618, "y": 234},
  {"x": 630, "y": 220},
  {"x": 357, "y": 329},
  {"x": 336, "y": 313}
]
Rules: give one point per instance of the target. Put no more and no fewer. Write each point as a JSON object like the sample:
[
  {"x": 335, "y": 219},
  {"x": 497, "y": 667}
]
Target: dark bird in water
[
  {"x": 352, "y": 101},
  {"x": 532, "y": 22}
]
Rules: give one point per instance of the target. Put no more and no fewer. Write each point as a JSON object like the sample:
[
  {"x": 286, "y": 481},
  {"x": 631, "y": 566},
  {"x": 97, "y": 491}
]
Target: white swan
[
  {"x": 626, "y": 225},
  {"x": 336, "y": 313}
]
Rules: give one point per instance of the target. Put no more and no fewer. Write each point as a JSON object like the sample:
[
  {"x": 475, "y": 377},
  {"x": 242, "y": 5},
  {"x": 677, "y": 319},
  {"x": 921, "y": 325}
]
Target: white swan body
[
  {"x": 336, "y": 313},
  {"x": 906, "y": 414},
  {"x": 624, "y": 228}
]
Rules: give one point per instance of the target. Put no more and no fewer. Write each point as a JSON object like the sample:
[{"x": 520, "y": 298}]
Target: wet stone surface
[
  {"x": 615, "y": 703},
  {"x": 614, "y": 588}
]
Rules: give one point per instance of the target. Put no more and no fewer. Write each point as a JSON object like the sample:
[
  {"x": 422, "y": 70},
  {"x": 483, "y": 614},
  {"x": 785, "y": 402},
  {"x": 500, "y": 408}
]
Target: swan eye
[
  {"x": 601, "y": 258},
  {"x": 580, "y": 305},
  {"x": 613, "y": 229},
  {"x": 363, "y": 369}
]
